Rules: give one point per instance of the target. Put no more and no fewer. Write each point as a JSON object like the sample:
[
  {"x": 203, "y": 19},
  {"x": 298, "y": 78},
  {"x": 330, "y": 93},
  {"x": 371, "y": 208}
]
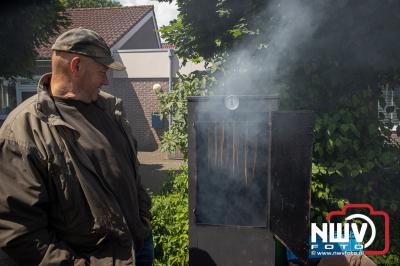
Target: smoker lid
[
  {"x": 224, "y": 106},
  {"x": 242, "y": 97}
]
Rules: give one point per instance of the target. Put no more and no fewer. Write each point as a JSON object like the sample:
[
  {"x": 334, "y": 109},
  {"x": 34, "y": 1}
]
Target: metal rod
[
  {"x": 233, "y": 149},
  {"x": 170, "y": 81},
  {"x": 245, "y": 154},
  {"x": 215, "y": 144},
  {"x": 208, "y": 148},
  {"x": 269, "y": 130},
  {"x": 238, "y": 145},
  {"x": 255, "y": 158},
  {"x": 222, "y": 143}
]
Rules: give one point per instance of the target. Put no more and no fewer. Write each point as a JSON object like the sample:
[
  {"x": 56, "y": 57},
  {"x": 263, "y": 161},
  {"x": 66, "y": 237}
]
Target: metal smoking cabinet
[{"x": 249, "y": 179}]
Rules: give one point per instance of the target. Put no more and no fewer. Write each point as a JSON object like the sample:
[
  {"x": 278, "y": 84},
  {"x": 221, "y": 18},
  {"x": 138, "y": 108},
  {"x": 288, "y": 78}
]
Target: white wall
[
  {"x": 189, "y": 67},
  {"x": 151, "y": 63}
]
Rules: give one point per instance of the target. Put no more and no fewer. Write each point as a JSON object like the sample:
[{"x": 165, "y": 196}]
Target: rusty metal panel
[{"x": 292, "y": 137}]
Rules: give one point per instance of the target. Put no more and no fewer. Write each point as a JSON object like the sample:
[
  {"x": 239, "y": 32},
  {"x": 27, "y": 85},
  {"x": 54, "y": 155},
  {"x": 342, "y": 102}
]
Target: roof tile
[{"x": 112, "y": 23}]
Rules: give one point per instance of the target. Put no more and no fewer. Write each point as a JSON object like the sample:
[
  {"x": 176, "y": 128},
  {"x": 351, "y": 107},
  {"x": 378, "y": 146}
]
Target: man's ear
[{"x": 74, "y": 64}]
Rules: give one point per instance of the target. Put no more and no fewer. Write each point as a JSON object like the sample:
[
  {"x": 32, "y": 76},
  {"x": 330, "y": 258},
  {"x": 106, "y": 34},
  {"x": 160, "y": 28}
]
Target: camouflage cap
[{"x": 89, "y": 43}]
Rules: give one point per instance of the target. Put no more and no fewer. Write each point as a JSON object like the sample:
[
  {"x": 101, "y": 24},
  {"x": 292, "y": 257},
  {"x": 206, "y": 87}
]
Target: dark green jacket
[{"x": 54, "y": 207}]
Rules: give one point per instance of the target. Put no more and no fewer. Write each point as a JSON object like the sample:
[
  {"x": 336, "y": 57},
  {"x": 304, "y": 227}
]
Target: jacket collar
[
  {"x": 45, "y": 104},
  {"x": 47, "y": 111}
]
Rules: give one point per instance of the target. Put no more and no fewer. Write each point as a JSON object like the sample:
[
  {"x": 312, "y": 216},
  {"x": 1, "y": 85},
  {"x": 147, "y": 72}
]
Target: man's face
[{"x": 92, "y": 76}]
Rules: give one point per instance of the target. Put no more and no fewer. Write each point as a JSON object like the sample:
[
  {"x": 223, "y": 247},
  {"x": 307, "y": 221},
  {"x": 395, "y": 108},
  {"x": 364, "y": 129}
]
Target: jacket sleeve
[
  {"x": 144, "y": 201},
  {"x": 25, "y": 234},
  {"x": 144, "y": 198}
]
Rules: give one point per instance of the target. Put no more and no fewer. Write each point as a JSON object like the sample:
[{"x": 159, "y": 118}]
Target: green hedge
[{"x": 170, "y": 221}]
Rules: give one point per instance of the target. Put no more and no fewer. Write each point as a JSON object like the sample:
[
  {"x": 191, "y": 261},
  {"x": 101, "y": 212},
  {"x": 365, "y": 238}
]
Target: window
[
  {"x": 8, "y": 99},
  {"x": 24, "y": 91},
  {"x": 389, "y": 110},
  {"x": 13, "y": 91}
]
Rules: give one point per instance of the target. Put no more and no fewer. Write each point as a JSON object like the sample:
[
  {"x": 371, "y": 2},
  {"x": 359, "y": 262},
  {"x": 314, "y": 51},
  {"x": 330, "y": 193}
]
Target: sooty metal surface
[
  {"x": 249, "y": 180},
  {"x": 292, "y": 137},
  {"x": 231, "y": 172}
]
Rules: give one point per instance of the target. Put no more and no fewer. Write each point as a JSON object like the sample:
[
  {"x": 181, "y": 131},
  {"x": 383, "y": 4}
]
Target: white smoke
[
  {"x": 237, "y": 141},
  {"x": 289, "y": 24}
]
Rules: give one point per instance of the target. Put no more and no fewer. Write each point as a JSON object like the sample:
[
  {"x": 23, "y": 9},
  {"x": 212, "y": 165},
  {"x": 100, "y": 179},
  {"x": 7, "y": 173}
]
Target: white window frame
[
  {"x": 3, "y": 117},
  {"x": 25, "y": 85},
  {"x": 24, "y": 88},
  {"x": 22, "y": 85}
]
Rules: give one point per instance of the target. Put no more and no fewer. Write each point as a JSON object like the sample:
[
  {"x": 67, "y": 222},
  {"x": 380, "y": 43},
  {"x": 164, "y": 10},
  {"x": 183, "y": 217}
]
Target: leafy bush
[
  {"x": 170, "y": 222},
  {"x": 175, "y": 103},
  {"x": 356, "y": 159}
]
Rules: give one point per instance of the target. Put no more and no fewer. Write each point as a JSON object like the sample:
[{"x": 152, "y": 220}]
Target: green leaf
[{"x": 344, "y": 128}]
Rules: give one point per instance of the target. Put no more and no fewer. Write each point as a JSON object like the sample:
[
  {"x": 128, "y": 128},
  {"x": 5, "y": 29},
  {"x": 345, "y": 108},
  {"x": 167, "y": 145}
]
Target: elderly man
[{"x": 70, "y": 192}]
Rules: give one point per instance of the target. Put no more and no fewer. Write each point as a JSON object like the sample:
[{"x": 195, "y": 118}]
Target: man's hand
[{"x": 147, "y": 221}]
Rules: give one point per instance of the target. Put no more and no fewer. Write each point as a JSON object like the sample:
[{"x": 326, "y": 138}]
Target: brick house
[{"x": 131, "y": 32}]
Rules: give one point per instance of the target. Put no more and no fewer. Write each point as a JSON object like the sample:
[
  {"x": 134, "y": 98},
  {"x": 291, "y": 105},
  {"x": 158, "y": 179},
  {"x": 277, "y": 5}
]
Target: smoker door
[
  {"x": 231, "y": 171},
  {"x": 229, "y": 240},
  {"x": 292, "y": 137}
]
